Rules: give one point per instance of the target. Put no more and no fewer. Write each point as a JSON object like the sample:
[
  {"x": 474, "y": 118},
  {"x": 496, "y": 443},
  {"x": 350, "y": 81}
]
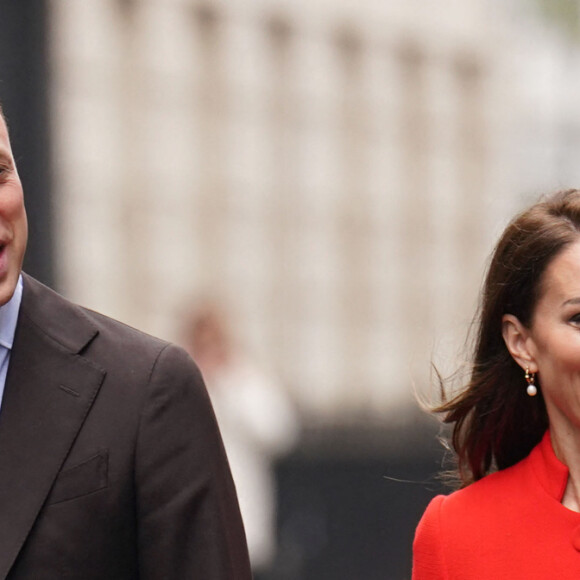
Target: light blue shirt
[{"x": 8, "y": 320}]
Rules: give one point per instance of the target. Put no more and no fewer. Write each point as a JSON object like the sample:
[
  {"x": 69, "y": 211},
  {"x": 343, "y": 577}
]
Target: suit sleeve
[
  {"x": 428, "y": 560},
  {"x": 188, "y": 519}
]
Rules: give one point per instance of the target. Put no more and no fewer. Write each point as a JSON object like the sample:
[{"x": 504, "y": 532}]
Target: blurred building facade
[{"x": 334, "y": 171}]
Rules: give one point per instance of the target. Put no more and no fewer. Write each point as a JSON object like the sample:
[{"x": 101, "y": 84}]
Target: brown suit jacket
[{"x": 111, "y": 463}]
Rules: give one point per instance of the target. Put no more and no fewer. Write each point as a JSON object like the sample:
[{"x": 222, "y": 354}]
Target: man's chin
[{"x": 7, "y": 287}]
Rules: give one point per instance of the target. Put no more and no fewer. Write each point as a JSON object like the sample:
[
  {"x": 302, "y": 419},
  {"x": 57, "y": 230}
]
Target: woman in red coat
[{"x": 516, "y": 426}]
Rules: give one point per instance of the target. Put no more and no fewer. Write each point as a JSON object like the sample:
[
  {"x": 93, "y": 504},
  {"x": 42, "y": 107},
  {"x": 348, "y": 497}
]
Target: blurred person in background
[
  {"x": 257, "y": 422},
  {"x": 516, "y": 426},
  {"x": 111, "y": 462}
]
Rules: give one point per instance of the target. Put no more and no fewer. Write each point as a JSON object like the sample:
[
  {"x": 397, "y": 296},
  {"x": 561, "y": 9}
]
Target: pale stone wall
[{"x": 334, "y": 171}]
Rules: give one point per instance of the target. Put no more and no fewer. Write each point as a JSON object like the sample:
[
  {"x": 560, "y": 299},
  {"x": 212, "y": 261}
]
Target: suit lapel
[{"x": 49, "y": 391}]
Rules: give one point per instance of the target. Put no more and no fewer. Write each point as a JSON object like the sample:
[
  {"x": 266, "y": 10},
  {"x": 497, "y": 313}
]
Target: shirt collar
[
  {"x": 9, "y": 316},
  {"x": 550, "y": 471}
]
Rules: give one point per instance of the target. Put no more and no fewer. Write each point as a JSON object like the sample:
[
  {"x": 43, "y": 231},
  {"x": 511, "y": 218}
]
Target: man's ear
[{"x": 516, "y": 338}]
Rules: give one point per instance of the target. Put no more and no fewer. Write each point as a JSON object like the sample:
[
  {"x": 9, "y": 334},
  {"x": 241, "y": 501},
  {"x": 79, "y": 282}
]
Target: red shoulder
[
  {"x": 453, "y": 526},
  {"x": 428, "y": 561}
]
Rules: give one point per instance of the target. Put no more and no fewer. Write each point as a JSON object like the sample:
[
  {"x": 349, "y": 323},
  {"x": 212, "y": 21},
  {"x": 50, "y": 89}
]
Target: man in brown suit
[{"x": 111, "y": 462}]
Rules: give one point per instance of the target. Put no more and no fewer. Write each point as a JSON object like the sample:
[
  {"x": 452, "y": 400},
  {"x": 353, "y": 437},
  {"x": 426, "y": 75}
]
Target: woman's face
[{"x": 553, "y": 339}]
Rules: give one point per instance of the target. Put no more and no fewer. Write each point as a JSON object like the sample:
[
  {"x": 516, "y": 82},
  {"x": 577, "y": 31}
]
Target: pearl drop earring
[{"x": 532, "y": 390}]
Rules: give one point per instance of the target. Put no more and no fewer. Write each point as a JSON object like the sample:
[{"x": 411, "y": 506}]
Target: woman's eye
[{"x": 575, "y": 319}]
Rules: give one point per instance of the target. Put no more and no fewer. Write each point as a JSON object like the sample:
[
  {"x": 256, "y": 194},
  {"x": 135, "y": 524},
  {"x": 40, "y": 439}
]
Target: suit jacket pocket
[{"x": 82, "y": 479}]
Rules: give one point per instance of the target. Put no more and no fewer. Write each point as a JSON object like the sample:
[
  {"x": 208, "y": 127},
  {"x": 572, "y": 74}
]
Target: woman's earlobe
[{"x": 516, "y": 338}]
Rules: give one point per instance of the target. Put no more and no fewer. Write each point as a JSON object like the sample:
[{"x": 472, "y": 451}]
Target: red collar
[{"x": 550, "y": 471}]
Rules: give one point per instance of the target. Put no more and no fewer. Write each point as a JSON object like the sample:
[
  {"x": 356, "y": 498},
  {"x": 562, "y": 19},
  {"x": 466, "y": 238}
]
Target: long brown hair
[{"x": 495, "y": 424}]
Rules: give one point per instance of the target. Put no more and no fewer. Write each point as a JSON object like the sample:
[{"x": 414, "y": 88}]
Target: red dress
[{"x": 510, "y": 524}]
